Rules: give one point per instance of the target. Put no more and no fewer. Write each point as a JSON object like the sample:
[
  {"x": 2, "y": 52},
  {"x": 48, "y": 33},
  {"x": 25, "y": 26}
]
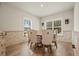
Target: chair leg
[
  {"x": 28, "y": 42},
  {"x": 49, "y": 49},
  {"x": 56, "y": 44},
  {"x": 31, "y": 44}
]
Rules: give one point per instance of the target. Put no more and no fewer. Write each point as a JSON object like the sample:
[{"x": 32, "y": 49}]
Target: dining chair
[
  {"x": 32, "y": 37},
  {"x": 47, "y": 36}
]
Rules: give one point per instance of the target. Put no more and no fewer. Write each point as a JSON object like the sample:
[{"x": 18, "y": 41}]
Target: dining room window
[
  {"x": 57, "y": 25},
  {"x": 54, "y": 25},
  {"x": 27, "y": 24},
  {"x": 49, "y": 25}
]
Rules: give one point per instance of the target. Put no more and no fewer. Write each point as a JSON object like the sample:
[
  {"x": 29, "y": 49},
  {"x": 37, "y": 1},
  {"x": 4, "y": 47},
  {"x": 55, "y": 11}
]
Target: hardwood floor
[
  {"x": 21, "y": 49},
  {"x": 63, "y": 49}
]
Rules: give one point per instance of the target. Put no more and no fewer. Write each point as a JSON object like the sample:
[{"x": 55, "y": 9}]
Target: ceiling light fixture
[{"x": 42, "y": 5}]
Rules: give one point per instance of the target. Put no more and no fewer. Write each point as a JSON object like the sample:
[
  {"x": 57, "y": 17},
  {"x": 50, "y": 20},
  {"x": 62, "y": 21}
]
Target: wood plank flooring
[{"x": 63, "y": 49}]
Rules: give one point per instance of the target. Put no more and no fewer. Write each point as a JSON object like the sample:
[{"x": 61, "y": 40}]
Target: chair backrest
[
  {"x": 32, "y": 35},
  {"x": 67, "y": 36},
  {"x": 47, "y": 36}
]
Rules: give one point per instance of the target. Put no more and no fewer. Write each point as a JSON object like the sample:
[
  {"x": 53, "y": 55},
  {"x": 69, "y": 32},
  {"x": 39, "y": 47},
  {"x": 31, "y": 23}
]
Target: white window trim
[
  {"x": 27, "y": 19},
  {"x": 61, "y": 24},
  {"x": 52, "y": 20}
]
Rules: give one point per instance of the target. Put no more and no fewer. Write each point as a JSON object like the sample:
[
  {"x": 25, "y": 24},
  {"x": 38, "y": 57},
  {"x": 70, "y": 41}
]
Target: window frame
[
  {"x": 29, "y": 24},
  {"x": 52, "y": 20}
]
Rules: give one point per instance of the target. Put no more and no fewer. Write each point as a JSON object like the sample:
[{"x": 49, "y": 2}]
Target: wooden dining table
[{"x": 39, "y": 41}]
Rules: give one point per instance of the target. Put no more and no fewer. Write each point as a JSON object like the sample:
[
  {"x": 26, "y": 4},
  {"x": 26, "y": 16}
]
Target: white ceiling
[{"x": 49, "y": 7}]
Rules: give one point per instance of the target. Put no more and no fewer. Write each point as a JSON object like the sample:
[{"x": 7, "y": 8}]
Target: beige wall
[
  {"x": 62, "y": 15},
  {"x": 14, "y": 37},
  {"x": 11, "y": 19},
  {"x": 76, "y": 27},
  {"x": 76, "y": 21},
  {"x": 76, "y": 17}
]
